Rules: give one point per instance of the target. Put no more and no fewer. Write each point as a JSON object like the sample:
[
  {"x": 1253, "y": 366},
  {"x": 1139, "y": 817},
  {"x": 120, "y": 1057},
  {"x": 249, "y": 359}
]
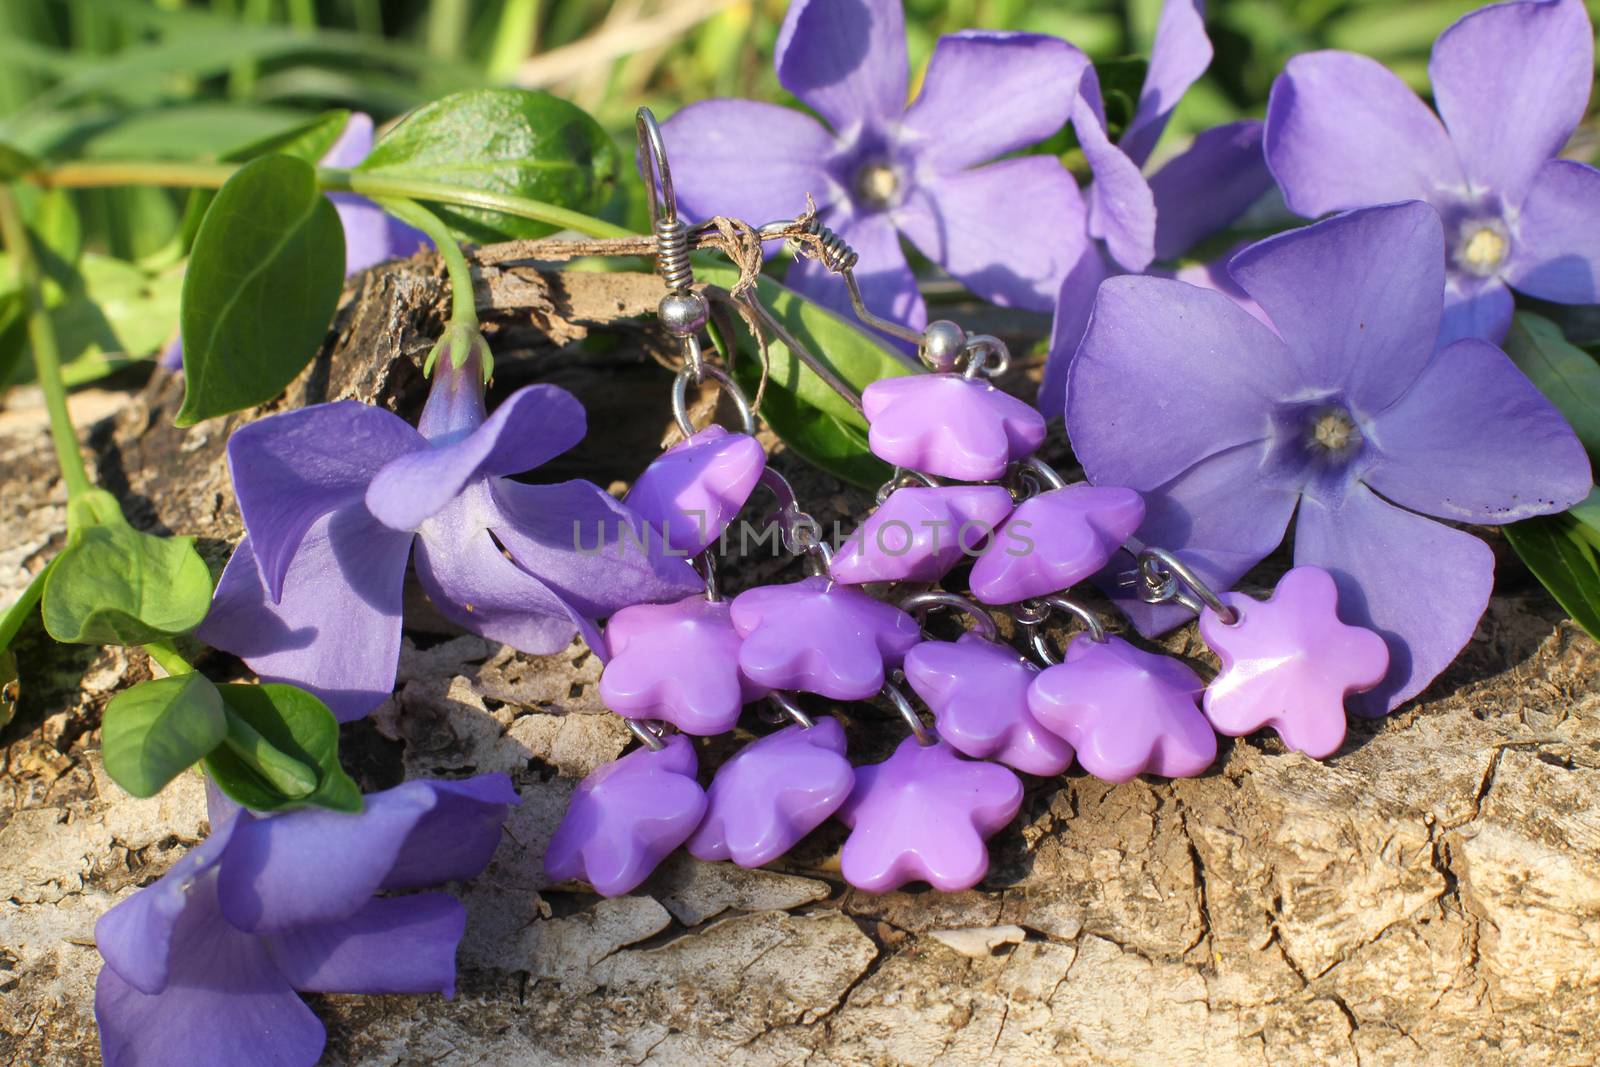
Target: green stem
[
  {"x": 463, "y": 301},
  {"x": 284, "y": 773},
  {"x": 46, "y": 356},
  {"x": 171, "y": 660}
]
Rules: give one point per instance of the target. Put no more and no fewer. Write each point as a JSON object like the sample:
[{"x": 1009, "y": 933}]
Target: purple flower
[
  {"x": 371, "y": 235},
  {"x": 1348, "y": 413},
  {"x": 1130, "y": 221},
  {"x": 1008, "y": 230},
  {"x": 334, "y": 496},
  {"x": 202, "y": 966},
  {"x": 1511, "y": 81}
]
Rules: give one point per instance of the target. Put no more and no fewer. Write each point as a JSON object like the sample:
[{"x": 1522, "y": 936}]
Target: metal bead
[
  {"x": 942, "y": 344},
  {"x": 683, "y": 313}
]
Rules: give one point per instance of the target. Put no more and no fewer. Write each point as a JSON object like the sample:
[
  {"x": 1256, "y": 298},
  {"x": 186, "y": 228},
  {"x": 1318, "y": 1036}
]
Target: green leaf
[
  {"x": 155, "y": 730},
  {"x": 117, "y": 314},
  {"x": 513, "y": 141},
  {"x": 292, "y": 724},
  {"x": 1561, "y": 552},
  {"x": 14, "y": 163},
  {"x": 10, "y": 687},
  {"x": 261, "y": 286},
  {"x": 1564, "y": 373},
  {"x": 821, "y": 426},
  {"x": 113, "y": 585},
  {"x": 16, "y": 616}
]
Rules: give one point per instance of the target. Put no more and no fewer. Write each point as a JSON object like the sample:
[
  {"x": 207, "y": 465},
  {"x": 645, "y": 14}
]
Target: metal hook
[
  {"x": 919, "y": 604},
  {"x": 653, "y": 160},
  {"x": 1163, "y": 578},
  {"x": 1031, "y": 615}
]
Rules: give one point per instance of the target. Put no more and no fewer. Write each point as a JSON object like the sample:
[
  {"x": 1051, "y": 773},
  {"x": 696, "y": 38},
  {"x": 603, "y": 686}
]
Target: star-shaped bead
[
  {"x": 695, "y": 488},
  {"x": 949, "y": 425},
  {"x": 924, "y": 814},
  {"x": 678, "y": 663},
  {"x": 1126, "y": 711},
  {"x": 978, "y": 692},
  {"x": 1288, "y": 663},
  {"x": 816, "y": 636},
  {"x": 920, "y": 533},
  {"x": 1055, "y": 540},
  {"x": 773, "y": 792},
  {"x": 627, "y": 817}
]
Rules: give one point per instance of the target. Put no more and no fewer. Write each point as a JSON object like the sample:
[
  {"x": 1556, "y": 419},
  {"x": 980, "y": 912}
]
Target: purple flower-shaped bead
[
  {"x": 924, "y": 814},
  {"x": 1054, "y": 541},
  {"x": 773, "y": 792},
  {"x": 204, "y": 965},
  {"x": 627, "y": 817},
  {"x": 1345, "y": 417},
  {"x": 949, "y": 425},
  {"x": 335, "y": 498},
  {"x": 816, "y": 636},
  {"x": 1288, "y": 663},
  {"x": 1511, "y": 82},
  {"x": 678, "y": 663},
  {"x": 693, "y": 490},
  {"x": 978, "y": 692},
  {"x": 920, "y": 533},
  {"x": 1125, "y": 711}
]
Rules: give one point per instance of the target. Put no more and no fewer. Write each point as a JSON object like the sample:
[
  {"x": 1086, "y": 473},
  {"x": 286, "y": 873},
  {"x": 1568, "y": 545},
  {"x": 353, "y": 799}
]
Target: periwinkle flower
[
  {"x": 203, "y": 966},
  {"x": 1345, "y": 413},
  {"x": 1511, "y": 82},
  {"x": 334, "y": 497},
  {"x": 1007, "y": 230}
]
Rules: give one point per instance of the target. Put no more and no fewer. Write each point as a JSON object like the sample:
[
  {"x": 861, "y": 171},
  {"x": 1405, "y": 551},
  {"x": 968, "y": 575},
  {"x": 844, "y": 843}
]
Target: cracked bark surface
[{"x": 1431, "y": 895}]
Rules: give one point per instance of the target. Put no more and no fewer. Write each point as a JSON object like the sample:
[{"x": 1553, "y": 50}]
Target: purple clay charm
[
  {"x": 1055, "y": 540},
  {"x": 978, "y": 691},
  {"x": 949, "y": 425},
  {"x": 1126, "y": 711},
  {"x": 920, "y": 533},
  {"x": 695, "y": 488},
  {"x": 819, "y": 637},
  {"x": 773, "y": 792},
  {"x": 678, "y": 663},
  {"x": 1288, "y": 663},
  {"x": 626, "y": 817},
  {"x": 924, "y": 814}
]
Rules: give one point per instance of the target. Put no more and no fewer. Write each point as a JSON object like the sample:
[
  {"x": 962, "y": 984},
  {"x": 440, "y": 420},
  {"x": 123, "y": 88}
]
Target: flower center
[
  {"x": 876, "y": 184},
  {"x": 1335, "y": 432},
  {"x": 1483, "y": 247}
]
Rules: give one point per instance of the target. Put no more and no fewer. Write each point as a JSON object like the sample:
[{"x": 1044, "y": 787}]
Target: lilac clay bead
[
  {"x": 695, "y": 488},
  {"x": 819, "y": 637},
  {"x": 678, "y": 663},
  {"x": 924, "y": 814},
  {"x": 978, "y": 692},
  {"x": 1054, "y": 541},
  {"x": 773, "y": 792},
  {"x": 1126, "y": 711},
  {"x": 920, "y": 533},
  {"x": 949, "y": 425},
  {"x": 626, "y": 817},
  {"x": 1288, "y": 663}
]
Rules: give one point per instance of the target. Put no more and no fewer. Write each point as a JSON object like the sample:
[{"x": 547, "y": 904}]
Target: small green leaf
[
  {"x": 514, "y": 141},
  {"x": 155, "y": 730},
  {"x": 1561, "y": 552},
  {"x": 113, "y": 585},
  {"x": 821, "y": 426},
  {"x": 261, "y": 286},
  {"x": 295, "y": 728},
  {"x": 14, "y": 163},
  {"x": 1564, "y": 373},
  {"x": 17, "y": 614}
]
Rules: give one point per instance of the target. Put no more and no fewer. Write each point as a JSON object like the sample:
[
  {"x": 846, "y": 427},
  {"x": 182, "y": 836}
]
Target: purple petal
[
  {"x": 1357, "y": 298},
  {"x": 846, "y": 59},
  {"x": 1180, "y": 54},
  {"x": 534, "y": 425},
  {"x": 1475, "y": 441},
  {"x": 172, "y": 355},
  {"x": 455, "y": 838},
  {"x": 1122, "y": 210},
  {"x": 987, "y": 93},
  {"x": 372, "y": 235},
  {"x": 888, "y": 287},
  {"x": 1214, "y": 275},
  {"x": 748, "y": 160},
  {"x": 1420, "y": 584},
  {"x": 226, "y": 1002},
  {"x": 1475, "y": 307},
  {"x": 353, "y": 145},
  {"x": 1009, "y": 231},
  {"x": 336, "y": 630},
  {"x": 1201, "y": 191},
  {"x": 292, "y": 469},
  {"x": 1343, "y": 132},
  {"x": 1184, "y": 371},
  {"x": 1074, "y": 303},
  {"x": 392, "y": 945},
  {"x": 1512, "y": 82},
  {"x": 1557, "y": 251}
]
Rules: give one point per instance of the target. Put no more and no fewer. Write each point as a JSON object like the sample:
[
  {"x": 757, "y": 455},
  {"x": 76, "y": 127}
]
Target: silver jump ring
[
  {"x": 1165, "y": 576},
  {"x": 919, "y": 604},
  {"x": 1032, "y": 614},
  {"x": 986, "y": 356},
  {"x": 786, "y": 704},
  {"x": 1033, "y": 476},
  {"x": 680, "y": 397},
  {"x": 902, "y": 704},
  {"x": 649, "y": 732},
  {"x": 905, "y": 478}
]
